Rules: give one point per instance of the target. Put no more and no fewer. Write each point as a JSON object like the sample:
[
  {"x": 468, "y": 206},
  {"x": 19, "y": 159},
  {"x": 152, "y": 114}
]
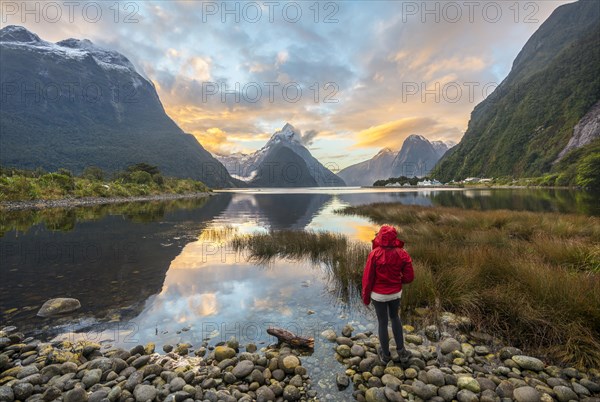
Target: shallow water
[{"x": 162, "y": 271}]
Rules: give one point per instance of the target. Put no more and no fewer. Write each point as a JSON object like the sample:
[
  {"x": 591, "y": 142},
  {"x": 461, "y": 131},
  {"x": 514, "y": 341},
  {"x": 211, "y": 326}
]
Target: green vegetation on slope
[
  {"x": 531, "y": 278},
  {"x": 138, "y": 180},
  {"x": 520, "y": 129}
]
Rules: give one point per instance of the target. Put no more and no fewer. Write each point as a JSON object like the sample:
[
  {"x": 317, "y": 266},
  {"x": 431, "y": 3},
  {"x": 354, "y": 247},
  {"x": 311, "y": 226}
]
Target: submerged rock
[{"x": 61, "y": 305}]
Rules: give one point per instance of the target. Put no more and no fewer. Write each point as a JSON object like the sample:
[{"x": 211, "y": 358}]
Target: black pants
[{"x": 383, "y": 309}]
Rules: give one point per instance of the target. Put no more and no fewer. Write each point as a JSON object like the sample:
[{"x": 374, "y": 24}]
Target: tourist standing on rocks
[{"x": 388, "y": 267}]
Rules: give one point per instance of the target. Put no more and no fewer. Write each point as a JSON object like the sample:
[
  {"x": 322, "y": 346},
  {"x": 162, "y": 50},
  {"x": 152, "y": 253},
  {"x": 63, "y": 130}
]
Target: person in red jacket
[{"x": 388, "y": 267}]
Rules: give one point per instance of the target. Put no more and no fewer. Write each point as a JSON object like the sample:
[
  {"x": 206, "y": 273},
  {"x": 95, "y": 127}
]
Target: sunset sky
[{"x": 372, "y": 59}]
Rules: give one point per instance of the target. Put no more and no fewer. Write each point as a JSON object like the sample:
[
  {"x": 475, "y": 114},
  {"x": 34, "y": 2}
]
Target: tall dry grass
[{"x": 531, "y": 278}]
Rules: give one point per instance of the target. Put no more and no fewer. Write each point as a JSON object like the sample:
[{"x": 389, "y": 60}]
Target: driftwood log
[{"x": 290, "y": 338}]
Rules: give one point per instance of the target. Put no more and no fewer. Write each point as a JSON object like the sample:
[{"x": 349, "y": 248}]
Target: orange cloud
[{"x": 392, "y": 134}]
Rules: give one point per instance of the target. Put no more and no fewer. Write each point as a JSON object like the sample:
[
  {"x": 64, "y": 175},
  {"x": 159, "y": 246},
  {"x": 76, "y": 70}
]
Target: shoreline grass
[
  {"x": 138, "y": 180},
  {"x": 533, "y": 279}
]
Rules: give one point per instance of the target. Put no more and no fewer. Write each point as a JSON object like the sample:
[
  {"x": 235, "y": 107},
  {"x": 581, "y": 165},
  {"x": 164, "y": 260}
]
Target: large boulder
[{"x": 58, "y": 306}]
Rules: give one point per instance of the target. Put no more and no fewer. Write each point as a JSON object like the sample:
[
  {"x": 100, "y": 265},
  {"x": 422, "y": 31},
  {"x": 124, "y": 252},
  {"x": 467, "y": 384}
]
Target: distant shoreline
[{"x": 90, "y": 201}]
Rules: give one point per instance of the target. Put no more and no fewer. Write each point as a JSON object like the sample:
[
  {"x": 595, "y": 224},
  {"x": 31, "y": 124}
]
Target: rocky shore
[
  {"x": 31, "y": 370},
  {"x": 445, "y": 365},
  {"x": 90, "y": 201},
  {"x": 465, "y": 367}
]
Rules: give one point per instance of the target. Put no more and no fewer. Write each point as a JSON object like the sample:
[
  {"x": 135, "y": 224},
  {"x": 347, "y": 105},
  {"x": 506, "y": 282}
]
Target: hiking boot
[
  {"x": 385, "y": 359},
  {"x": 403, "y": 356}
]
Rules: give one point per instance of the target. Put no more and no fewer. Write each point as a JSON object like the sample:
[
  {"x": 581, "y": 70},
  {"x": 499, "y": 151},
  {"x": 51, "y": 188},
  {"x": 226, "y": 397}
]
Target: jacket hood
[{"x": 387, "y": 237}]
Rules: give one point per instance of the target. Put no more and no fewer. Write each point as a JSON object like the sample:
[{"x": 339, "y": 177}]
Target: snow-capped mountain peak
[
  {"x": 416, "y": 137},
  {"x": 287, "y": 133},
  {"x": 15, "y": 36},
  {"x": 284, "y": 150},
  {"x": 442, "y": 146},
  {"x": 383, "y": 152},
  {"x": 16, "y": 33}
]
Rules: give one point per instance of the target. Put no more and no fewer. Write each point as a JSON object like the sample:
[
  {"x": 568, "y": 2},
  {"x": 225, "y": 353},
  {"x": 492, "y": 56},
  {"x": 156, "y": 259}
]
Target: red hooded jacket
[{"x": 388, "y": 265}]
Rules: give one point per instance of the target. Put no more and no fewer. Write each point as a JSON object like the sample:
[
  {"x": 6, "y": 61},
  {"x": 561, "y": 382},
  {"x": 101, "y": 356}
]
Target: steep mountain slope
[
  {"x": 441, "y": 147},
  {"x": 367, "y": 172},
  {"x": 521, "y": 128},
  {"x": 72, "y": 104},
  {"x": 416, "y": 157},
  {"x": 282, "y": 162}
]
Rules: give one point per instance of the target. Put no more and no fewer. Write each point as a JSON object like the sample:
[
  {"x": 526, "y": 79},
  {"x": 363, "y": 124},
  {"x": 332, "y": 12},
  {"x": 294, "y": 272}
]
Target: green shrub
[
  {"x": 588, "y": 172},
  {"x": 63, "y": 181},
  {"x": 141, "y": 177},
  {"x": 93, "y": 173}
]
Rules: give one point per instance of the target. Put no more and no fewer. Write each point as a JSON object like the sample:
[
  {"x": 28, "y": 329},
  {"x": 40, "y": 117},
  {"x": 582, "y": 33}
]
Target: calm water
[{"x": 162, "y": 271}]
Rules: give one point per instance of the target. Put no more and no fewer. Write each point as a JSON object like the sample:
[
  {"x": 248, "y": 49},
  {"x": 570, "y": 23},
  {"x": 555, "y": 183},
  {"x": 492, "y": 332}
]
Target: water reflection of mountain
[
  {"x": 422, "y": 198},
  {"x": 538, "y": 200},
  {"x": 110, "y": 264},
  {"x": 276, "y": 211}
]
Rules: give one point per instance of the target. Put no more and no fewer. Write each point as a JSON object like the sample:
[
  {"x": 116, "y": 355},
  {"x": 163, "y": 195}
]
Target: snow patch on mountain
[
  {"x": 246, "y": 166},
  {"x": 15, "y": 36}
]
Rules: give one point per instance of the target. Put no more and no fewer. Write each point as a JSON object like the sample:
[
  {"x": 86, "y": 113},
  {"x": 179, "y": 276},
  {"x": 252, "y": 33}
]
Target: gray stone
[
  {"x": 27, "y": 371},
  {"x": 422, "y": 390},
  {"x": 449, "y": 345},
  {"x": 22, "y": 390},
  {"x": 144, "y": 393},
  {"x": 505, "y": 390},
  {"x": 528, "y": 363},
  {"x": 580, "y": 389},
  {"x": 388, "y": 379},
  {"x": 435, "y": 377},
  {"x": 177, "y": 384},
  {"x": 233, "y": 343},
  {"x": 265, "y": 394},
  {"x": 464, "y": 395},
  {"x": 526, "y": 394},
  {"x": 590, "y": 385},
  {"x": 291, "y": 393},
  {"x": 105, "y": 364},
  {"x": 375, "y": 395},
  {"x": 141, "y": 361},
  {"x": 392, "y": 395},
  {"x": 114, "y": 393},
  {"x": 344, "y": 351},
  {"x": 50, "y": 394},
  {"x": 133, "y": 380},
  {"x": 278, "y": 374},
  {"x": 92, "y": 377},
  {"x": 489, "y": 395},
  {"x": 243, "y": 368},
  {"x": 6, "y": 394},
  {"x": 565, "y": 394},
  {"x": 367, "y": 364},
  {"x": 357, "y": 350},
  {"x": 347, "y": 330},
  {"x": 77, "y": 394},
  {"x": 448, "y": 392},
  {"x": 342, "y": 381},
  {"x": 329, "y": 334},
  {"x": 486, "y": 383},
  {"x": 343, "y": 340},
  {"x": 98, "y": 396}
]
